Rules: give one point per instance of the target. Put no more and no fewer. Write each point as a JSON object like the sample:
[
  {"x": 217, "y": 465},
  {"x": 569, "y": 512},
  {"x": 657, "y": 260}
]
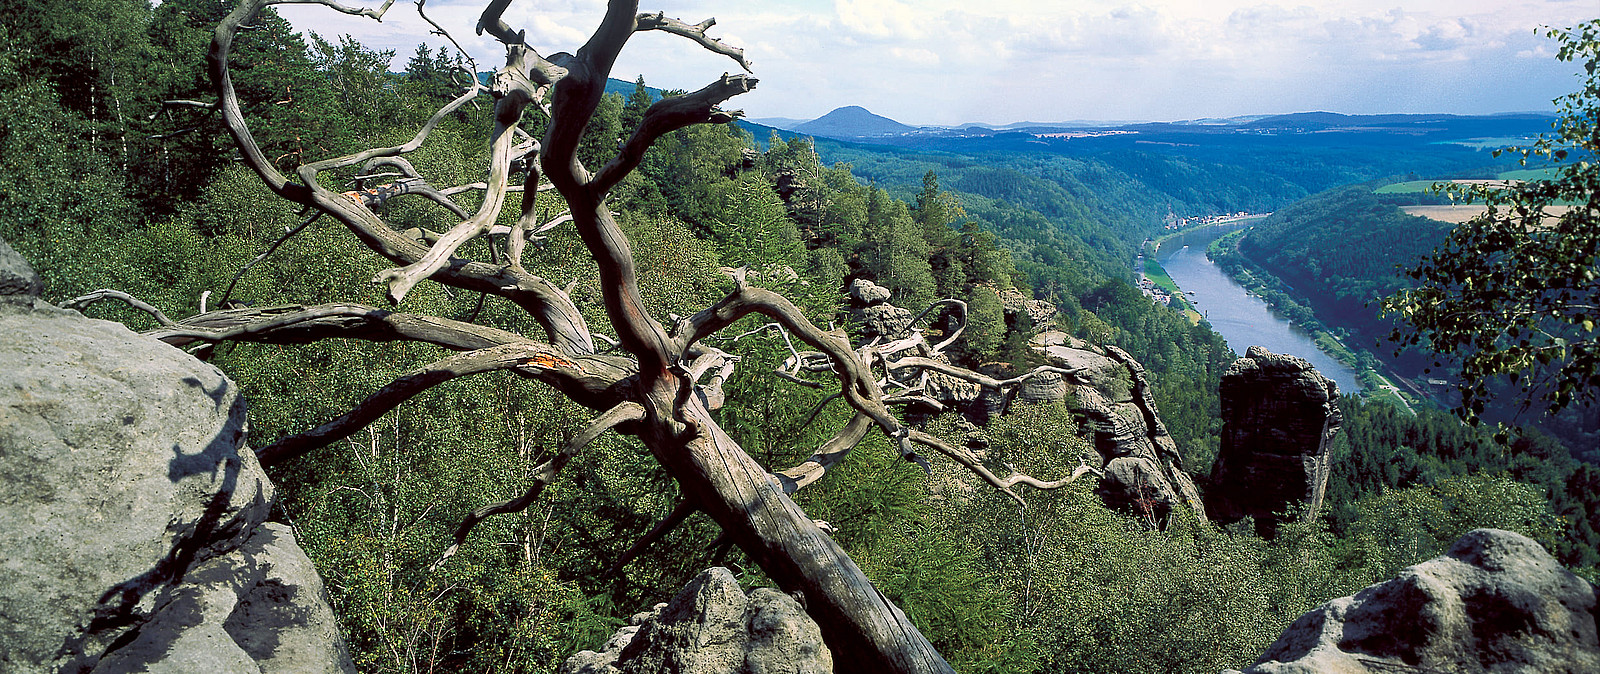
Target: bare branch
[
  {"x": 978, "y": 378},
  {"x": 828, "y": 455},
  {"x": 856, "y": 382},
  {"x": 659, "y": 21},
  {"x": 357, "y": 11},
  {"x": 440, "y": 31},
  {"x": 668, "y": 115},
  {"x": 524, "y": 355},
  {"x": 295, "y": 324},
  {"x": 80, "y": 303},
  {"x": 490, "y": 21},
  {"x": 966, "y": 458},
  {"x": 182, "y": 103},
  {"x": 545, "y": 473},
  {"x": 228, "y": 294},
  {"x": 416, "y": 141},
  {"x": 680, "y": 512}
]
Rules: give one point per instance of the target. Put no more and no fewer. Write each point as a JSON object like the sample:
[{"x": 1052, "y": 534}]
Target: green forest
[{"x": 117, "y": 171}]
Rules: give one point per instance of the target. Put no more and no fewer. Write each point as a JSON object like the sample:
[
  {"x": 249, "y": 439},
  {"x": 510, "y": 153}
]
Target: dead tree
[{"x": 662, "y": 387}]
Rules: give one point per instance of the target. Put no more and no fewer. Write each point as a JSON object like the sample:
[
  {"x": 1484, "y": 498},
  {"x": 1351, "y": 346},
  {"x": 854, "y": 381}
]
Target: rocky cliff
[
  {"x": 1279, "y": 417},
  {"x": 133, "y": 514},
  {"x": 1497, "y": 602}
]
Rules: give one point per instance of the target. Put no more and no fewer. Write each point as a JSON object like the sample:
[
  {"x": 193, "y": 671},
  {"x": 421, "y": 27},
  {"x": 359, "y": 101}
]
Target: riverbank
[
  {"x": 1155, "y": 245},
  {"x": 1224, "y": 251},
  {"x": 1152, "y": 270}
]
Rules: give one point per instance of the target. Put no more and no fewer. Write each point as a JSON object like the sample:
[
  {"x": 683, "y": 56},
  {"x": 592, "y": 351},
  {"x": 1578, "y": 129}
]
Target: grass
[
  {"x": 1417, "y": 186},
  {"x": 1528, "y": 174},
  {"x": 1408, "y": 187},
  {"x": 1158, "y": 275}
]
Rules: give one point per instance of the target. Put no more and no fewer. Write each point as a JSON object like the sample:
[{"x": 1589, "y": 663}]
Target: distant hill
[
  {"x": 853, "y": 121},
  {"x": 785, "y": 123},
  {"x": 625, "y": 88}
]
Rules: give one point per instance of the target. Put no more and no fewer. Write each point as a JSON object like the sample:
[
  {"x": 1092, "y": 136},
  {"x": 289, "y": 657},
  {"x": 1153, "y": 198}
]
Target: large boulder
[
  {"x": 713, "y": 627},
  {"x": 132, "y": 512},
  {"x": 1279, "y": 418},
  {"x": 1497, "y": 602}
]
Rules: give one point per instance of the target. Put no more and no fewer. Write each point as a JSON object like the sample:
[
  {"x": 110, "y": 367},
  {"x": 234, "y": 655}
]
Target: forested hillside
[
  {"x": 116, "y": 171},
  {"x": 1334, "y": 255}
]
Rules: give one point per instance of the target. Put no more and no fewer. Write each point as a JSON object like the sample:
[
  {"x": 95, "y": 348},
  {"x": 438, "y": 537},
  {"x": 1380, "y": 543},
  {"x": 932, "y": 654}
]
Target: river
[{"x": 1242, "y": 319}]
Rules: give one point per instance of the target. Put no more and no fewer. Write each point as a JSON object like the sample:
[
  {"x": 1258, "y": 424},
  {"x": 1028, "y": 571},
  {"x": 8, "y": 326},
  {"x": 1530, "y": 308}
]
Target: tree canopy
[{"x": 1515, "y": 292}]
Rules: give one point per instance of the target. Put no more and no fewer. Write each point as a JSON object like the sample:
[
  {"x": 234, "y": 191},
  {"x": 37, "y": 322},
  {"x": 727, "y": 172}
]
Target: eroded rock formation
[
  {"x": 132, "y": 512},
  {"x": 712, "y": 627},
  {"x": 1110, "y": 392},
  {"x": 869, "y": 304},
  {"x": 1497, "y": 602},
  {"x": 1279, "y": 417}
]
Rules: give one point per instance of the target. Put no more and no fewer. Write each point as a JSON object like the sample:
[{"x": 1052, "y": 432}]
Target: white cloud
[
  {"x": 878, "y": 19},
  {"x": 950, "y": 61}
]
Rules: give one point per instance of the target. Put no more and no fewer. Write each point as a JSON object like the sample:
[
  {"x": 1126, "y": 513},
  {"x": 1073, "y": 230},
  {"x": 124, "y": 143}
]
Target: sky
[{"x": 944, "y": 62}]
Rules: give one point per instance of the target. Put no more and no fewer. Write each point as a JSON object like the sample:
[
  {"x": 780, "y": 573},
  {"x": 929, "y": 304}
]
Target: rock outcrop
[
  {"x": 869, "y": 305},
  {"x": 1110, "y": 392},
  {"x": 1497, "y": 602},
  {"x": 712, "y": 627},
  {"x": 1039, "y": 312},
  {"x": 1279, "y": 417},
  {"x": 132, "y": 512}
]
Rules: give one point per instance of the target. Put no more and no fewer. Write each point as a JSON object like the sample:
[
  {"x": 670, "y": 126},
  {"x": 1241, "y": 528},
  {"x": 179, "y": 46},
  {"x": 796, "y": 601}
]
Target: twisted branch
[
  {"x": 680, "y": 512},
  {"x": 544, "y": 474},
  {"x": 376, "y": 14},
  {"x": 81, "y": 303},
  {"x": 972, "y": 463},
  {"x": 697, "y": 32},
  {"x": 525, "y": 355}
]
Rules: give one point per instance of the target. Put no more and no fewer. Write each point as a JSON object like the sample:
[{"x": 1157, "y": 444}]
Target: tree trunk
[{"x": 865, "y": 631}]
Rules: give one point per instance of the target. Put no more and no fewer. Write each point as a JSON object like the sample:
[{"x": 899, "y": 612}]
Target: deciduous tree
[{"x": 1516, "y": 291}]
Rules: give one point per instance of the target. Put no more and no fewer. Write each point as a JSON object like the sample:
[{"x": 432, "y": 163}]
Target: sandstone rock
[
  {"x": 18, "y": 282},
  {"x": 1279, "y": 417},
  {"x": 866, "y": 293},
  {"x": 1038, "y": 311},
  {"x": 884, "y": 320},
  {"x": 260, "y": 608},
  {"x": 712, "y": 627},
  {"x": 124, "y": 483},
  {"x": 1110, "y": 392},
  {"x": 1497, "y": 602}
]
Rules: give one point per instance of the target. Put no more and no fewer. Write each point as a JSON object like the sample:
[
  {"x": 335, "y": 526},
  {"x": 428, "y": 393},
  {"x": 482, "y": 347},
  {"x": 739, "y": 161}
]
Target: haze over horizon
[{"x": 942, "y": 62}]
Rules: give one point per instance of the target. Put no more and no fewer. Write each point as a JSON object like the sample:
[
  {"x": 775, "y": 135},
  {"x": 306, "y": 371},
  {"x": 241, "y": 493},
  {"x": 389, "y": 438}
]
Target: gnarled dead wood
[
  {"x": 80, "y": 303},
  {"x": 653, "y": 390}
]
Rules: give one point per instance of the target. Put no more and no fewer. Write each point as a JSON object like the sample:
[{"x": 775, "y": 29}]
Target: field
[
  {"x": 1415, "y": 186},
  {"x": 1454, "y": 215},
  {"x": 1157, "y": 275},
  {"x": 1460, "y": 213},
  {"x": 1528, "y": 174},
  {"x": 1409, "y": 186}
]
